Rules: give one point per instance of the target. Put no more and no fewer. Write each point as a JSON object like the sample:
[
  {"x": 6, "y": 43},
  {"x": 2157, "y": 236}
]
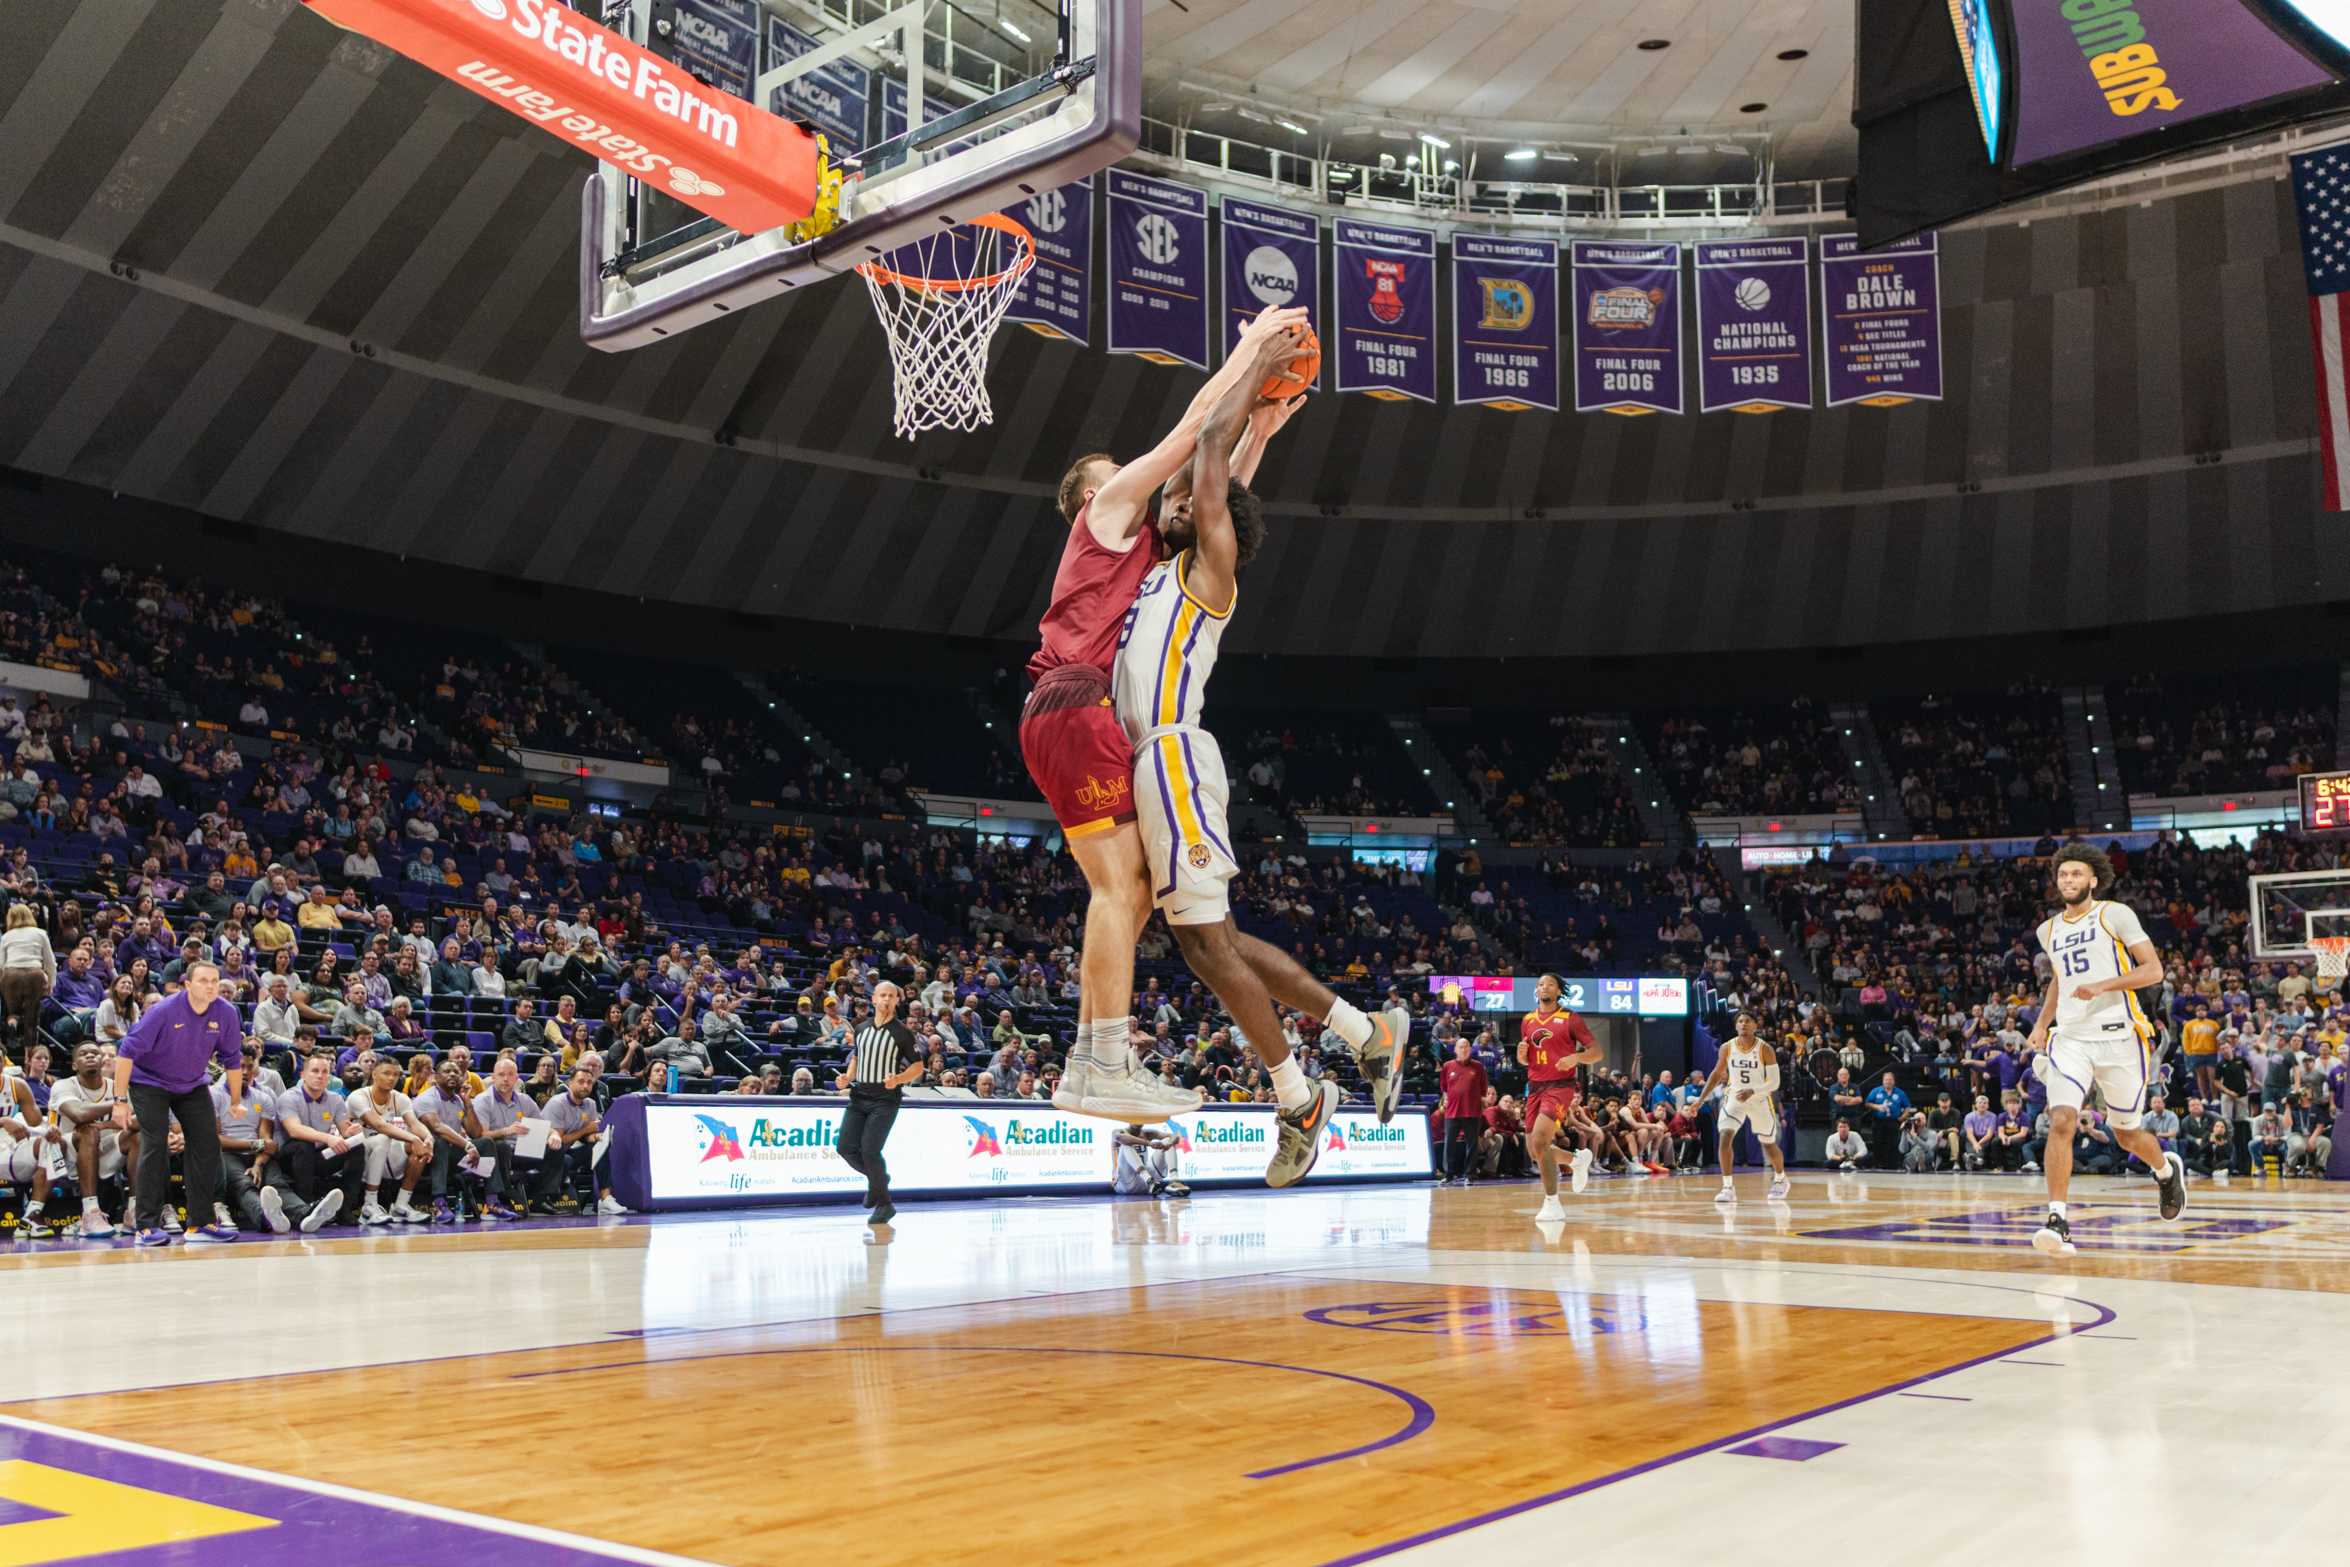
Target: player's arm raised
[
  {"x": 1215, "y": 557},
  {"x": 1264, "y": 422},
  {"x": 1120, "y": 505}
]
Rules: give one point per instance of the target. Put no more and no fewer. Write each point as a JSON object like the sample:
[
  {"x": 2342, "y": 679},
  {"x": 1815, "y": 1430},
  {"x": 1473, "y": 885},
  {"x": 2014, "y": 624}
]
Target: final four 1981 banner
[
  {"x": 1627, "y": 304},
  {"x": 1385, "y": 309},
  {"x": 1753, "y": 325},
  {"x": 1505, "y": 330},
  {"x": 1158, "y": 270}
]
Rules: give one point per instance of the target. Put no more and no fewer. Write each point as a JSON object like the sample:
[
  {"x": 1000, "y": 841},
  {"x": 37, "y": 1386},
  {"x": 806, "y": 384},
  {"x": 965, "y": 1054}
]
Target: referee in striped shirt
[{"x": 887, "y": 1059}]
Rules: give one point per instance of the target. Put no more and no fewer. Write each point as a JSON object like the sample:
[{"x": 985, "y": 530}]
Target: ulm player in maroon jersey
[{"x": 1554, "y": 1045}]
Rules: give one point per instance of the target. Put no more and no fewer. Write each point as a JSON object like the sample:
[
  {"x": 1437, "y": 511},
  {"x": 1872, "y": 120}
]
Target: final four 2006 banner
[
  {"x": 1385, "y": 309},
  {"x": 1627, "y": 304}
]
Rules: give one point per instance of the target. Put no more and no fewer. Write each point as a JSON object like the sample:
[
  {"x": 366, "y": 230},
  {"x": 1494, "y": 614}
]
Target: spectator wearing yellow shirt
[
  {"x": 318, "y": 911},
  {"x": 2199, "y": 1043},
  {"x": 271, "y": 934}
]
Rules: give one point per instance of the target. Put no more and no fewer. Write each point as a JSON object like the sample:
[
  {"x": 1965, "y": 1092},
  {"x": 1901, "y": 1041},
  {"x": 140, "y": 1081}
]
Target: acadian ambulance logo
[
  {"x": 1346, "y": 1132},
  {"x": 1221, "y": 1131},
  {"x": 779, "y": 1140},
  {"x": 1015, "y": 1139}
]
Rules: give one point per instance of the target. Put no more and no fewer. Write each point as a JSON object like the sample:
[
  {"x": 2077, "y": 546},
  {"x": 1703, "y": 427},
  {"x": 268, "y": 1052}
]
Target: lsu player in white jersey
[
  {"x": 2093, "y": 1031},
  {"x": 1747, "y": 1076},
  {"x": 1212, "y": 526}
]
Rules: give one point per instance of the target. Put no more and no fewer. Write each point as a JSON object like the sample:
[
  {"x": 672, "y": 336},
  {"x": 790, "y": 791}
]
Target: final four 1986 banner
[
  {"x": 1271, "y": 257},
  {"x": 1385, "y": 309},
  {"x": 1505, "y": 330},
  {"x": 1627, "y": 304},
  {"x": 1753, "y": 325},
  {"x": 1056, "y": 297},
  {"x": 1881, "y": 317},
  {"x": 1158, "y": 270}
]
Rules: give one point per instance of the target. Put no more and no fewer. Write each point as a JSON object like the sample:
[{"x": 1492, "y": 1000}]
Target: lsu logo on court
[
  {"x": 1509, "y": 304},
  {"x": 1095, "y": 795},
  {"x": 1624, "y": 309}
]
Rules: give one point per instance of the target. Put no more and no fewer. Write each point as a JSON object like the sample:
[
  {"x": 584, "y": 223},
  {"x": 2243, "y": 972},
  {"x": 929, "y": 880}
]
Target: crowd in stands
[
  {"x": 2218, "y": 734},
  {"x": 1790, "y": 761},
  {"x": 1979, "y": 767},
  {"x": 1555, "y": 780},
  {"x": 1339, "y": 765}
]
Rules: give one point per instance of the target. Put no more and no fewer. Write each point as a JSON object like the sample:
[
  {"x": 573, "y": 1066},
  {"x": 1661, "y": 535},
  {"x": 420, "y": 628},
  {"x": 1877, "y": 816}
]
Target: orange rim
[{"x": 1025, "y": 258}]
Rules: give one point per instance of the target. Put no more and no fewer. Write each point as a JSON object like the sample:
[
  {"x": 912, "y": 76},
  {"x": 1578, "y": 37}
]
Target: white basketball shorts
[
  {"x": 1758, "y": 1114},
  {"x": 1180, "y": 798},
  {"x": 2117, "y": 1063}
]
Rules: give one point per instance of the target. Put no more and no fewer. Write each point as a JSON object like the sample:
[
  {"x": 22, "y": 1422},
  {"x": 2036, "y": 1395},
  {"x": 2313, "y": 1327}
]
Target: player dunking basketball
[
  {"x": 1167, "y": 651},
  {"x": 1554, "y": 1045},
  {"x": 1079, "y": 756},
  {"x": 2093, "y": 1030},
  {"x": 1747, "y": 1073}
]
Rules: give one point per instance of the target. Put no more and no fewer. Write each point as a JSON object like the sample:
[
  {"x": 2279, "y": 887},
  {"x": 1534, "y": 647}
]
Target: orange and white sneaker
[
  {"x": 1382, "y": 1059},
  {"x": 1301, "y": 1135}
]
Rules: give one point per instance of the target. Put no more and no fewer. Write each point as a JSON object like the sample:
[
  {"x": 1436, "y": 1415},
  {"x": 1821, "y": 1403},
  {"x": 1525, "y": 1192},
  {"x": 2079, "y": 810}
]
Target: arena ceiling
[{"x": 263, "y": 269}]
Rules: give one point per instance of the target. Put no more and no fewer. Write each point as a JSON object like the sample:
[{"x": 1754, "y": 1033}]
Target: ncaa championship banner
[
  {"x": 723, "y": 1150},
  {"x": 1158, "y": 270},
  {"x": 1385, "y": 309},
  {"x": 1055, "y": 299},
  {"x": 1753, "y": 325},
  {"x": 833, "y": 98},
  {"x": 719, "y": 41},
  {"x": 1627, "y": 306},
  {"x": 1505, "y": 333},
  {"x": 1881, "y": 320},
  {"x": 1271, "y": 257}
]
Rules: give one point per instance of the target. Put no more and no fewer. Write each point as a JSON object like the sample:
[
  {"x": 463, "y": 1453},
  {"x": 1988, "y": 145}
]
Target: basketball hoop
[
  {"x": 941, "y": 313},
  {"x": 2333, "y": 955}
]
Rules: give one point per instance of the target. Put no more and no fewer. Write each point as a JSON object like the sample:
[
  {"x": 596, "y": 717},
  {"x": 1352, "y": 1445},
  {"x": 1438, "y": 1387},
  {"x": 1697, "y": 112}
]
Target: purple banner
[
  {"x": 1056, "y": 298},
  {"x": 1627, "y": 305},
  {"x": 2090, "y": 72},
  {"x": 1271, "y": 257},
  {"x": 718, "y": 40},
  {"x": 1505, "y": 341},
  {"x": 1881, "y": 320},
  {"x": 1158, "y": 270},
  {"x": 1385, "y": 309},
  {"x": 1753, "y": 325},
  {"x": 832, "y": 98}
]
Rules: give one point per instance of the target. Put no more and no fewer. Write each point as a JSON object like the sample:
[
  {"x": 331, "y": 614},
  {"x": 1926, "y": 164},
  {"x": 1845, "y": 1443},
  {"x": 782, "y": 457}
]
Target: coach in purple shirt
[{"x": 159, "y": 1073}]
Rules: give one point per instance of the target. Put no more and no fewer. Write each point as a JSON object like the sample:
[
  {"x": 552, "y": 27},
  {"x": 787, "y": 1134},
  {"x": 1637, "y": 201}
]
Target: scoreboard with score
[
  {"x": 2325, "y": 802},
  {"x": 1646, "y": 995}
]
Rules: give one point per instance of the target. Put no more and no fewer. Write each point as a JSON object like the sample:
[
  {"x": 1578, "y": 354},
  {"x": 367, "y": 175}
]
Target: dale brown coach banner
[
  {"x": 1272, "y": 257},
  {"x": 590, "y": 87},
  {"x": 1385, "y": 309},
  {"x": 1627, "y": 308},
  {"x": 1881, "y": 319},
  {"x": 1505, "y": 336},
  {"x": 1753, "y": 325}
]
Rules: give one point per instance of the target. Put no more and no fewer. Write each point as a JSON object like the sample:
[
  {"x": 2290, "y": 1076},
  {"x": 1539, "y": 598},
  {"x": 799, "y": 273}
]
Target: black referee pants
[{"x": 864, "y": 1127}]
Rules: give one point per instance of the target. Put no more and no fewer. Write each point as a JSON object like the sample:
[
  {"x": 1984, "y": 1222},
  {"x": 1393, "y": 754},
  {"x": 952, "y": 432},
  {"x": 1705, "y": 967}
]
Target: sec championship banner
[
  {"x": 1055, "y": 299},
  {"x": 1271, "y": 257},
  {"x": 1881, "y": 319},
  {"x": 1753, "y": 325},
  {"x": 1627, "y": 305},
  {"x": 1158, "y": 270},
  {"x": 1385, "y": 309},
  {"x": 1505, "y": 337}
]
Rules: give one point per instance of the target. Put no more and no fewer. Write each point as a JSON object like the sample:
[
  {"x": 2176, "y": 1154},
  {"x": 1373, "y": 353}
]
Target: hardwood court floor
[{"x": 1306, "y": 1377}]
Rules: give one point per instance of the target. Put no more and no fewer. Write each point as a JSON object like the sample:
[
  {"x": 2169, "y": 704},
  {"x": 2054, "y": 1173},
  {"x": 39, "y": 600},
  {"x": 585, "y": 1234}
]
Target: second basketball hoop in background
[{"x": 940, "y": 301}]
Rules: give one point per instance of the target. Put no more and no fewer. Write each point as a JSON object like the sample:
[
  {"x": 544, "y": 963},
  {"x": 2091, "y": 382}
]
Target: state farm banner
[
  {"x": 1271, "y": 257},
  {"x": 1055, "y": 299},
  {"x": 1505, "y": 324},
  {"x": 833, "y": 98},
  {"x": 592, "y": 89},
  {"x": 1753, "y": 325},
  {"x": 1385, "y": 309},
  {"x": 1627, "y": 306},
  {"x": 1158, "y": 270},
  {"x": 718, "y": 40},
  {"x": 1881, "y": 319}
]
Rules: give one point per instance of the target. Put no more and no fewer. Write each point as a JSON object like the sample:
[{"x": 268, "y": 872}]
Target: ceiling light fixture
[
  {"x": 1520, "y": 155},
  {"x": 1293, "y": 127},
  {"x": 1434, "y": 140},
  {"x": 1247, "y": 113},
  {"x": 1011, "y": 27}
]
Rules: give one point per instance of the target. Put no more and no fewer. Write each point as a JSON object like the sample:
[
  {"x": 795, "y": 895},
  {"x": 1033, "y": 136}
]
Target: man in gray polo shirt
[
  {"x": 499, "y": 1110},
  {"x": 446, "y": 1114},
  {"x": 578, "y": 1133},
  {"x": 245, "y": 1140},
  {"x": 319, "y": 1159}
]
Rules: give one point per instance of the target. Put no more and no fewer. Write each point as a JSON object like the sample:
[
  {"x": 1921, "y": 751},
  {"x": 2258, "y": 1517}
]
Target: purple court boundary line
[
  {"x": 1423, "y": 1413},
  {"x": 2105, "y": 1315},
  {"x": 1947, "y": 1398}
]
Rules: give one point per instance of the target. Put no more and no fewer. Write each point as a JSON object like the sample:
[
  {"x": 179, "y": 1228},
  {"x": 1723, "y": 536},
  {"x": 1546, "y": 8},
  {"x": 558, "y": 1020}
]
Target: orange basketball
[{"x": 1303, "y": 372}]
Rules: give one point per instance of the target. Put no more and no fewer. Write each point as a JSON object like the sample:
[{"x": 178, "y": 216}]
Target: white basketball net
[
  {"x": 940, "y": 300},
  {"x": 2333, "y": 955}
]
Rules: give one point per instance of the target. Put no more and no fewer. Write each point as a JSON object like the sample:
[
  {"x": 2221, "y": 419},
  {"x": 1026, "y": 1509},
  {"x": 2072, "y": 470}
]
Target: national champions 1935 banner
[
  {"x": 1753, "y": 325},
  {"x": 1272, "y": 257},
  {"x": 1158, "y": 260},
  {"x": 1881, "y": 319},
  {"x": 1384, "y": 307},
  {"x": 1627, "y": 306},
  {"x": 1505, "y": 332}
]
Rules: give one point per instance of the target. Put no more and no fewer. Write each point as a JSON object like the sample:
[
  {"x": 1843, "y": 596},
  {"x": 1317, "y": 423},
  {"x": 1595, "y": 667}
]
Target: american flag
[{"x": 2321, "y": 192}]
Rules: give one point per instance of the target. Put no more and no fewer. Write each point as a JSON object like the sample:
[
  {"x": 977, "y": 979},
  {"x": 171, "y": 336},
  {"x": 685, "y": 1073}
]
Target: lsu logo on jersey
[{"x": 1509, "y": 304}]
